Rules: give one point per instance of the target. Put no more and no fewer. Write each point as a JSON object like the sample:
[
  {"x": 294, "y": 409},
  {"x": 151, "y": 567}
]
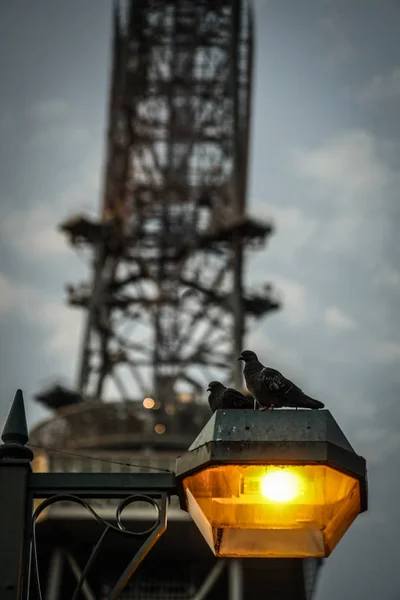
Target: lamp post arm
[
  {"x": 154, "y": 489},
  {"x": 102, "y": 485}
]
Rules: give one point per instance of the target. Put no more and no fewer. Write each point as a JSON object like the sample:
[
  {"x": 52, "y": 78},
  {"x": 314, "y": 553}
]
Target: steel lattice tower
[{"x": 167, "y": 310}]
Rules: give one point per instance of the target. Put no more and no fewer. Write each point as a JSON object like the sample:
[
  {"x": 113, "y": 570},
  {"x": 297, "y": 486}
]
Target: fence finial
[{"x": 15, "y": 432}]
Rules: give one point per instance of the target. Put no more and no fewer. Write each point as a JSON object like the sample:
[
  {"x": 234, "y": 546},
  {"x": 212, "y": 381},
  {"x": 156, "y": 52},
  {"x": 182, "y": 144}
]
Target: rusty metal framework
[{"x": 166, "y": 309}]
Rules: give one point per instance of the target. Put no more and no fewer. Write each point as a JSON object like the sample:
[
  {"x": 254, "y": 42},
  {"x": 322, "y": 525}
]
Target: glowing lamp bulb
[{"x": 280, "y": 486}]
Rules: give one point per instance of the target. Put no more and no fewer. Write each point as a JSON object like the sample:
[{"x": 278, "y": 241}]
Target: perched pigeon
[
  {"x": 223, "y": 397},
  {"x": 270, "y": 388}
]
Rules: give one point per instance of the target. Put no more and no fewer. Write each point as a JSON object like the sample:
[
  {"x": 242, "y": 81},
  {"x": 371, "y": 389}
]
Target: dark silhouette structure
[{"x": 167, "y": 299}]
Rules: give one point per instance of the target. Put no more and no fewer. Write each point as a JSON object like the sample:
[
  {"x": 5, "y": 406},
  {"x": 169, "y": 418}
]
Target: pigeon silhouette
[
  {"x": 223, "y": 397},
  {"x": 270, "y": 388}
]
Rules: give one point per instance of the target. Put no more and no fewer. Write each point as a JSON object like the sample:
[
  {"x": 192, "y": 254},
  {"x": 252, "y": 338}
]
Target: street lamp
[
  {"x": 278, "y": 484},
  {"x": 282, "y": 484}
]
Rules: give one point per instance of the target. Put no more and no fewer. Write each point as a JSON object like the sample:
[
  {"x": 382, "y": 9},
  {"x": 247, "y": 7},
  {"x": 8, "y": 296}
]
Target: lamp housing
[{"x": 278, "y": 484}]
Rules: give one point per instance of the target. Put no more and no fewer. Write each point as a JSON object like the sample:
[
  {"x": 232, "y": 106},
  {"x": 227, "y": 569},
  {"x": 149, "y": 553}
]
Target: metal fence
[{"x": 25, "y": 495}]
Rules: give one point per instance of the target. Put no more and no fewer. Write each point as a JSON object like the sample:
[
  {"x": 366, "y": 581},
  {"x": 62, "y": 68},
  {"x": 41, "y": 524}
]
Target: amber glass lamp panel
[{"x": 272, "y": 511}]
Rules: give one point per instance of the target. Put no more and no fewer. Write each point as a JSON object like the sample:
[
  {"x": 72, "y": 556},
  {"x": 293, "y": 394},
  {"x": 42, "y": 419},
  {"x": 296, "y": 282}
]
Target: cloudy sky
[{"x": 325, "y": 167}]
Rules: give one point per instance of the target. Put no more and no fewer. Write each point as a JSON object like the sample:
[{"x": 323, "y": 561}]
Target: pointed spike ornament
[
  {"x": 16, "y": 429},
  {"x": 15, "y": 432}
]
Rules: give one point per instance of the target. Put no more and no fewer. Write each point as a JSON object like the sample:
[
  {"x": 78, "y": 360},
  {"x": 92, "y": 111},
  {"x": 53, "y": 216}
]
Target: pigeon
[
  {"x": 223, "y": 397},
  {"x": 270, "y": 388}
]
